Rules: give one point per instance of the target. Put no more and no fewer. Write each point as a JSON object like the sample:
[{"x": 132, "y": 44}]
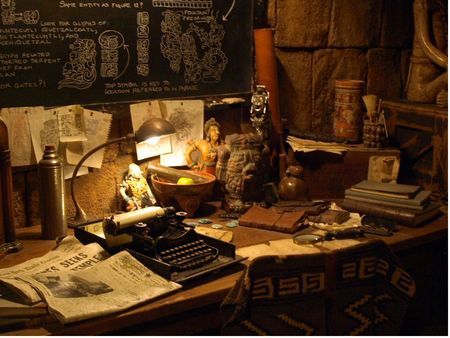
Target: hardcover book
[
  {"x": 421, "y": 199},
  {"x": 404, "y": 217},
  {"x": 389, "y": 189}
]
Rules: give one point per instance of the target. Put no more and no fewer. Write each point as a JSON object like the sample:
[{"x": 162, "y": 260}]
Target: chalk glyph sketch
[
  {"x": 44, "y": 130},
  {"x": 10, "y": 16},
  {"x": 71, "y": 123},
  {"x": 97, "y": 125},
  {"x": 383, "y": 169},
  {"x": 19, "y": 139},
  {"x": 141, "y": 112},
  {"x": 111, "y": 42},
  {"x": 193, "y": 46},
  {"x": 191, "y": 4},
  {"x": 80, "y": 71},
  {"x": 187, "y": 117},
  {"x": 143, "y": 43}
]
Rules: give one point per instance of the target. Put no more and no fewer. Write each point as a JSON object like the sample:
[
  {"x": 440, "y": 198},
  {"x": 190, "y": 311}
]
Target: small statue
[
  {"x": 259, "y": 113},
  {"x": 135, "y": 189},
  {"x": 427, "y": 78},
  {"x": 207, "y": 147}
]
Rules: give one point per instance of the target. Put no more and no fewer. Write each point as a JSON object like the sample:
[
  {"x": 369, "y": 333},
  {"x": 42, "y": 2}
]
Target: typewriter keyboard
[{"x": 188, "y": 255}]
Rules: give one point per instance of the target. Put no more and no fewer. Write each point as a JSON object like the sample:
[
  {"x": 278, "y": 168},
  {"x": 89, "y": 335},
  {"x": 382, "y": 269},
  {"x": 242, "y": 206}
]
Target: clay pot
[
  {"x": 188, "y": 197},
  {"x": 347, "y": 122},
  {"x": 293, "y": 186}
]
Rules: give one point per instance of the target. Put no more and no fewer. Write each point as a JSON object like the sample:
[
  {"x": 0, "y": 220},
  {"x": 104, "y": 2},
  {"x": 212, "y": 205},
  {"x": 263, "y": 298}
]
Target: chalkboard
[{"x": 76, "y": 51}]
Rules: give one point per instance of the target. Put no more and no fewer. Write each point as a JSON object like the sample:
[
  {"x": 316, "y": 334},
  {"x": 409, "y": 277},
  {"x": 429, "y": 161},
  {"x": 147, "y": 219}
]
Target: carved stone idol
[{"x": 240, "y": 170}]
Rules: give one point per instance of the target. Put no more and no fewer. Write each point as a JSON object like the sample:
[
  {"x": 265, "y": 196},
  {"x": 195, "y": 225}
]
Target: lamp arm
[{"x": 80, "y": 215}]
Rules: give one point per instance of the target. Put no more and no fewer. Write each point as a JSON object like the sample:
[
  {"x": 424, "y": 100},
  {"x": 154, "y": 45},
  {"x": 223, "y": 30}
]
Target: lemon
[{"x": 185, "y": 181}]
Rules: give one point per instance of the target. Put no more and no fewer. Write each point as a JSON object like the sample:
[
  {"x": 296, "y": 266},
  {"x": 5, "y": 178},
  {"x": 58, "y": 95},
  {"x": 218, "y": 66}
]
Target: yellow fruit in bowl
[{"x": 185, "y": 181}]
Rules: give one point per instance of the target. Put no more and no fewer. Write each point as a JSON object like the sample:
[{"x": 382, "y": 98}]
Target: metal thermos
[{"x": 52, "y": 194}]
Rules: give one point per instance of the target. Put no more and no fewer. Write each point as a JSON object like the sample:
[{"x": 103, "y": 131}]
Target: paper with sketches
[
  {"x": 383, "y": 169},
  {"x": 97, "y": 126},
  {"x": 187, "y": 118},
  {"x": 69, "y": 169},
  {"x": 141, "y": 112},
  {"x": 20, "y": 143},
  {"x": 44, "y": 130},
  {"x": 71, "y": 123}
]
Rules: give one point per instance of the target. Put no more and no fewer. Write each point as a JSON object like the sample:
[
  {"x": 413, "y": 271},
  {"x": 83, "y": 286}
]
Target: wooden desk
[{"x": 193, "y": 309}]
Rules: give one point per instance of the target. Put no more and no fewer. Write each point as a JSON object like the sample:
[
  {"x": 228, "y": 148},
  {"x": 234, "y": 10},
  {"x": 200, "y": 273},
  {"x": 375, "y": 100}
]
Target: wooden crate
[
  {"x": 327, "y": 175},
  {"x": 419, "y": 131}
]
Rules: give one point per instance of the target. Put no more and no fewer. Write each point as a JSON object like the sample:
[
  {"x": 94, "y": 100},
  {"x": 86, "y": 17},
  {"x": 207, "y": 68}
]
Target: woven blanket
[{"x": 360, "y": 290}]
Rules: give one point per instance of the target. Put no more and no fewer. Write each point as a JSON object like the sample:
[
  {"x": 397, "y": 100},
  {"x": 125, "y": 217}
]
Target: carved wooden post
[{"x": 7, "y": 228}]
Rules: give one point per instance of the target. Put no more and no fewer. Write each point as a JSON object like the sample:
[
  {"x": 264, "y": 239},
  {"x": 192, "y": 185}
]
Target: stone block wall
[{"x": 319, "y": 41}]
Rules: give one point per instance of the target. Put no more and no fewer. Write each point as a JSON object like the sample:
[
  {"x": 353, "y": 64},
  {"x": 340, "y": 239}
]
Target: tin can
[
  {"x": 347, "y": 122},
  {"x": 52, "y": 194}
]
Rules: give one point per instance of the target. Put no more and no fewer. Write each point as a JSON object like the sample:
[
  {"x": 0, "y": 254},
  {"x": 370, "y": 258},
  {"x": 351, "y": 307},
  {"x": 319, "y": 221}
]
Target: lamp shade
[{"x": 154, "y": 127}]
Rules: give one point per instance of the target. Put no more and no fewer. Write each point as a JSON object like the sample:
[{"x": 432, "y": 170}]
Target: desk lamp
[{"x": 149, "y": 131}]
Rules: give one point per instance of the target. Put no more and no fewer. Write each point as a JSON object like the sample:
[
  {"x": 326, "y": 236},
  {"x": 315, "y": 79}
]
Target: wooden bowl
[{"x": 188, "y": 197}]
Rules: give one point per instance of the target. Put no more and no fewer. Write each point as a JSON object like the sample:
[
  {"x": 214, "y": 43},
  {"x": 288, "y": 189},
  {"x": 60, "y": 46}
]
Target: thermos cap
[{"x": 49, "y": 147}]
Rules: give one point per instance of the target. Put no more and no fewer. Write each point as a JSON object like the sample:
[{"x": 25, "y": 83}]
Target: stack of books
[{"x": 407, "y": 204}]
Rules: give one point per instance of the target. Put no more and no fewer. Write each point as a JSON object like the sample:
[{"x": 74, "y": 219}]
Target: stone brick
[
  {"x": 272, "y": 13},
  {"x": 329, "y": 65},
  {"x": 355, "y": 23},
  {"x": 397, "y": 24},
  {"x": 295, "y": 78},
  {"x": 384, "y": 73},
  {"x": 302, "y": 23}
]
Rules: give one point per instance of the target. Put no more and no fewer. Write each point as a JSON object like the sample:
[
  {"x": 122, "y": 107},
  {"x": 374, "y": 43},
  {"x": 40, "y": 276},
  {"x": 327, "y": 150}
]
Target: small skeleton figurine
[
  {"x": 135, "y": 190},
  {"x": 259, "y": 111}
]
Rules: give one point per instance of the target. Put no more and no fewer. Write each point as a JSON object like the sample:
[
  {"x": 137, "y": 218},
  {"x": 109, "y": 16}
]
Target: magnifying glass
[{"x": 330, "y": 235}]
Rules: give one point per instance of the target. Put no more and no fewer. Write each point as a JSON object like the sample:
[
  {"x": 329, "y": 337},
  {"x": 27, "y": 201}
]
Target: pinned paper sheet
[
  {"x": 19, "y": 139},
  {"x": 71, "y": 123},
  {"x": 141, "y": 112},
  {"x": 44, "y": 130},
  {"x": 187, "y": 118},
  {"x": 97, "y": 126}
]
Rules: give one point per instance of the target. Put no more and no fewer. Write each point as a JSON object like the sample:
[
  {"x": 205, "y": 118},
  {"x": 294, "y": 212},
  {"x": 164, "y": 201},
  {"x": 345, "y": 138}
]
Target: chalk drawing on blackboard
[
  {"x": 80, "y": 72},
  {"x": 111, "y": 42},
  {"x": 225, "y": 17},
  {"x": 193, "y": 4},
  {"x": 143, "y": 43},
  {"x": 10, "y": 16},
  {"x": 181, "y": 47}
]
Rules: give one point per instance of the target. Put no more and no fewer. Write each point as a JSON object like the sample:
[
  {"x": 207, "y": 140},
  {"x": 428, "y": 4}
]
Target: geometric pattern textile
[{"x": 359, "y": 290}]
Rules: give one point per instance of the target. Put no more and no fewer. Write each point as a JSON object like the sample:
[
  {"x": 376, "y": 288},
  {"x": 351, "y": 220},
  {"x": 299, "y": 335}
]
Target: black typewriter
[{"x": 168, "y": 246}]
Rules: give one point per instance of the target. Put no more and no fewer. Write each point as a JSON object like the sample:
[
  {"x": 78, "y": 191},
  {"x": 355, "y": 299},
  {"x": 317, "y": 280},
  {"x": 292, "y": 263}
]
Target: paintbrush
[{"x": 370, "y": 101}]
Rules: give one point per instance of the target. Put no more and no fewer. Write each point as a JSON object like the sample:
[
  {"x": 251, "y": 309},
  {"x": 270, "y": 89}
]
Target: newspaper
[
  {"x": 113, "y": 285},
  {"x": 69, "y": 255}
]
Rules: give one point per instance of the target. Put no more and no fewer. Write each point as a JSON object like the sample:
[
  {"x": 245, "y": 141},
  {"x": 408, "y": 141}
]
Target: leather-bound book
[{"x": 407, "y": 217}]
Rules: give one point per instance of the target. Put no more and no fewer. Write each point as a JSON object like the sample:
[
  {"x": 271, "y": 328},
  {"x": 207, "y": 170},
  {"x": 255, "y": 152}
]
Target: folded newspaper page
[
  {"x": 113, "y": 285},
  {"x": 69, "y": 255}
]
